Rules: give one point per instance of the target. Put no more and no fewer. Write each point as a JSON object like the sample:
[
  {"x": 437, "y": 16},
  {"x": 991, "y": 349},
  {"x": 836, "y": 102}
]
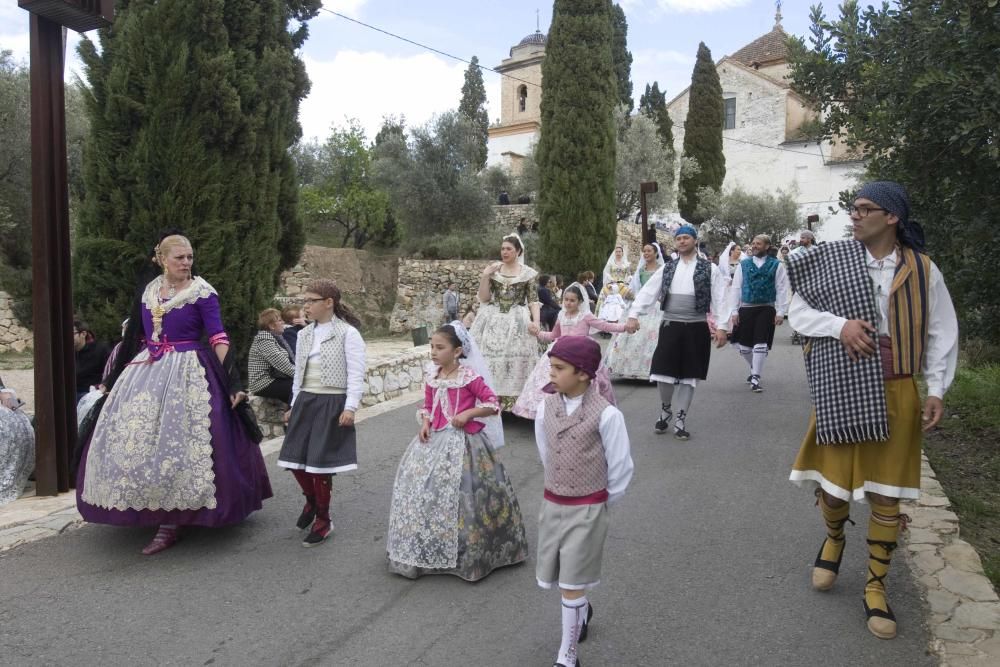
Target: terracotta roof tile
[{"x": 766, "y": 49}]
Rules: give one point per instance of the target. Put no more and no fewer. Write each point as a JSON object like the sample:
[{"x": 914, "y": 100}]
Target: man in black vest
[{"x": 686, "y": 289}]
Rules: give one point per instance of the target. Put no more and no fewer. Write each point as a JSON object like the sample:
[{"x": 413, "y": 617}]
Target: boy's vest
[
  {"x": 575, "y": 464},
  {"x": 332, "y": 360}
]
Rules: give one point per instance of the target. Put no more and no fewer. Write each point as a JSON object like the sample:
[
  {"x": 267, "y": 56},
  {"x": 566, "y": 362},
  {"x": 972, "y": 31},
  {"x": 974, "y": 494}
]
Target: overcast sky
[{"x": 359, "y": 73}]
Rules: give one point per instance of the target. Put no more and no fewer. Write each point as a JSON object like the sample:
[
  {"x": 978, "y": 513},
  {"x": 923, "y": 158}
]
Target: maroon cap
[{"x": 581, "y": 351}]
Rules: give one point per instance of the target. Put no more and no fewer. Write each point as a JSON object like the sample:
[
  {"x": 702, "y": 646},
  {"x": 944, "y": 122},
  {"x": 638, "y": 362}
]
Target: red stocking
[{"x": 322, "y": 485}]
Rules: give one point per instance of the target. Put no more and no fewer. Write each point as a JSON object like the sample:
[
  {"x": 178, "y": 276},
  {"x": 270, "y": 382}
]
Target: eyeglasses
[
  {"x": 863, "y": 211},
  {"x": 314, "y": 300}
]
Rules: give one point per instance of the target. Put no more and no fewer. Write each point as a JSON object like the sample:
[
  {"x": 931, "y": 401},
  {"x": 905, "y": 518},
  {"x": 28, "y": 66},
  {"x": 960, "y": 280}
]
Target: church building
[
  {"x": 763, "y": 135},
  {"x": 520, "y": 103}
]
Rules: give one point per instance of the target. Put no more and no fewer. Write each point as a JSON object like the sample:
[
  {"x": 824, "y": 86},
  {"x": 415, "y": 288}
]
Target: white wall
[
  {"x": 514, "y": 143},
  {"x": 759, "y": 159}
]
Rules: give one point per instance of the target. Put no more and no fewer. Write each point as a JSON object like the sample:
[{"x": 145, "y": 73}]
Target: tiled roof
[{"x": 767, "y": 49}]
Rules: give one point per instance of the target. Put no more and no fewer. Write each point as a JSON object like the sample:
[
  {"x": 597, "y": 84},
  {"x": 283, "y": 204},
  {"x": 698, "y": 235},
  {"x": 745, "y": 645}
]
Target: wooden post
[
  {"x": 55, "y": 372},
  {"x": 52, "y": 300},
  {"x": 649, "y": 187}
]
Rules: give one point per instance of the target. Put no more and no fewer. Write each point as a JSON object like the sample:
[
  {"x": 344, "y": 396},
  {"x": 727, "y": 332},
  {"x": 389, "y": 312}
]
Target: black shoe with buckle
[{"x": 586, "y": 624}]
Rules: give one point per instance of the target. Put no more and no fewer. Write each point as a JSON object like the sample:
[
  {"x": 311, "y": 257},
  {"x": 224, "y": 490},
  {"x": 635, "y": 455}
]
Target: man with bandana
[
  {"x": 686, "y": 287},
  {"x": 758, "y": 298},
  {"x": 876, "y": 312}
]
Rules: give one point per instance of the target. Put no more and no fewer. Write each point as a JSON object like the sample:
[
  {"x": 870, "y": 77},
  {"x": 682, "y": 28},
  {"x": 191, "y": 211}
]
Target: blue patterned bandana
[
  {"x": 687, "y": 229},
  {"x": 893, "y": 198}
]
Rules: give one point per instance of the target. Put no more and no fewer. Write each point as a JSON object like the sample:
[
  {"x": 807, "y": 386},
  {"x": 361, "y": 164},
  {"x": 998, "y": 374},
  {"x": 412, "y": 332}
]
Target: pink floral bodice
[
  {"x": 579, "y": 325},
  {"x": 443, "y": 399}
]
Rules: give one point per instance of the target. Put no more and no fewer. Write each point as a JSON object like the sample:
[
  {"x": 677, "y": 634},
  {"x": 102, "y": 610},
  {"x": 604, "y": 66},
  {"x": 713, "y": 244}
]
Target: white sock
[
  {"x": 747, "y": 354},
  {"x": 574, "y": 613},
  {"x": 666, "y": 394},
  {"x": 759, "y": 355}
]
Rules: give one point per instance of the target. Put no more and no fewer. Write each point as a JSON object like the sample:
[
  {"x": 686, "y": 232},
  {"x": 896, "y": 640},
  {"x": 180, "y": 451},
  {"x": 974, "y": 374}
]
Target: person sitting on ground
[
  {"x": 270, "y": 367},
  {"x": 17, "y": 446},
  {"x": 90, "y": 358},
  {"x": 293, "y": 324}
]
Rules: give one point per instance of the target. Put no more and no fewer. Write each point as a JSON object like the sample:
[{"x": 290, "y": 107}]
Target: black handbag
[{"x": 243, "y": 410}]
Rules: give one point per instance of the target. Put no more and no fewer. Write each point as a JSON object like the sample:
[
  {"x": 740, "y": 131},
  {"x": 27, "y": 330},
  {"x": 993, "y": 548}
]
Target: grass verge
[
  {"x": 16, "y": 361},
  {"x": 965, "y": 454}
]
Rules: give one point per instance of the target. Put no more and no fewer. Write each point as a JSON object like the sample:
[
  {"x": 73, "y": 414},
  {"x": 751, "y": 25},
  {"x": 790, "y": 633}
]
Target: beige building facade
[{"x": 520, "y": 103}]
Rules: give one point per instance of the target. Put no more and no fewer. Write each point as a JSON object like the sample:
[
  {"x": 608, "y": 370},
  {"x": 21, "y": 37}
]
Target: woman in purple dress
[{"x": 168, "y": 449}]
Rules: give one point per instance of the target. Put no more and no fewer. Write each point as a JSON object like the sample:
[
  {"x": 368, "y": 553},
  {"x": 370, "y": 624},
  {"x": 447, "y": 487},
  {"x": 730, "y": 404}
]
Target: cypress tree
[
  {"x": 473, "y": 107},
  {"x": 622, "y": 57},
  {"x": 702, "y": 135},
  {"x": 193, "y": 109},
  {"x": 576, "y": 150},
  {"x": 653, "y": 103}
]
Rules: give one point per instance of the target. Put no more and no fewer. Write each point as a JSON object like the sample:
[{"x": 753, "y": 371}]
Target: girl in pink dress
[
  {"x": 575, "y": 319},
  {"x": 453, "y": 507}
]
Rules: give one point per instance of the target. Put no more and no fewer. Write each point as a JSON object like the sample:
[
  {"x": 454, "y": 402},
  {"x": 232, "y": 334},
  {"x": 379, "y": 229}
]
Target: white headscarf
[
  {"x": 584, "y": 303},
  {"x": 724, "y": 260},
  {"x": 474, "y": 359},
  {"x": 636, "y": 284},
  {"x": 611, "y": 262}
]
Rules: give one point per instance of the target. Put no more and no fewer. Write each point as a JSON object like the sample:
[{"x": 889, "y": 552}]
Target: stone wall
[
  {"x": 507, "y": 217},
  {"x": 420, "y": 292},
  {"x": 368, "y": 281},
  {"x": 13, "y": 337}
]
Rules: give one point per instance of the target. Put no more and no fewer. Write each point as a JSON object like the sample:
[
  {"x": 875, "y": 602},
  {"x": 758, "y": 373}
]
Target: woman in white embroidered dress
[
  {"x": 453, "y": 507},
  {"x": 630, "y": 355},
  {"x": 508, "y": 294},
  {"x": 17, "y": 446},
  {"x": 617, "y": 274},
  {"x": 168, "y": 448}
]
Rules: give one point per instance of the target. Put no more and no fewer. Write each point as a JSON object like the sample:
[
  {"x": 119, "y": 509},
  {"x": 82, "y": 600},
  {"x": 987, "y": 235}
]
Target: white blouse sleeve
[
  {"x": 648, "y": 295},
  {"x": 720, "y": 299},
  {"x": 941, "y": 351},
  {"x": 617, "y": 451},
  {"x": 813, "y": 323},
  {"x": 354, "y": 348}
]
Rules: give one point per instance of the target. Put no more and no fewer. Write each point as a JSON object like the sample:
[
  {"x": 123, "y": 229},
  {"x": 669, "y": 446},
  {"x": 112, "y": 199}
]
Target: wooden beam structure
[{"x": 55, "y": 371}]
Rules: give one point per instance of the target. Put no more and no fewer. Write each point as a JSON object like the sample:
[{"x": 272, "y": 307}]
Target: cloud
[
  {"x": 660, "y": 57},
  {"x": 350, "y": 8},
  {"x": 369, "y": 85}
]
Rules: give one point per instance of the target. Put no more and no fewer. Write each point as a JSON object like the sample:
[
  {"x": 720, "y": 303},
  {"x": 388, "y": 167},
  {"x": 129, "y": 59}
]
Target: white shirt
[
  {"x": 354, "y": 349},
  {"x": 781, "y": 286},
  {"x": 683, "y": 283},
  {"x": 614, "y": 437},
  {"x": 941, "y": 349}
]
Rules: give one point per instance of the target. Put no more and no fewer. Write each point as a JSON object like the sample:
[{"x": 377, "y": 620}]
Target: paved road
[{"x": 707, "y": 563}]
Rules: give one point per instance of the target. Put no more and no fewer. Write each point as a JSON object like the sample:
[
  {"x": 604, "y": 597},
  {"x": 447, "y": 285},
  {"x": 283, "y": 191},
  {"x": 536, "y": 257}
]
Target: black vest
[{"x": 702, "y": 284}]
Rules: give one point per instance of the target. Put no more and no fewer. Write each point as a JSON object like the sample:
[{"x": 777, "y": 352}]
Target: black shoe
[
  {"x": 308, "y": 514},
  {"x": 586, "y": 624},
  {"x": 314, "y": 538},
  {"x": 755, "y": 384},
  {"x": 679, "y": 431},
  {"x": 559, "y": 664},
  {"x": 663, "y": 423},
  {"x": 749, "y": 379}
]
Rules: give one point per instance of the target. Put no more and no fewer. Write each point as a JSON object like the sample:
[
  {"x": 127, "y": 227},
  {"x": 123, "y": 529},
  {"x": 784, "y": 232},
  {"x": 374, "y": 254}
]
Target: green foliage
[
  {"x": 473, "y": 107},
  {"x": 431, "y": 179},
  {"x": 524, "y": 183},
  {"x": 342, "y": 200},
  {"x": 576, "y": 151},
  {"x": 622, "y": 58},
  {"x": 653, "y": 103},
  {"x": 477, "y": 243},
  {"x": 738, "y": 215},
  {"x": 702, "y": 135},
  {"x": 641, "y": 156},
  {"x": 193, "y": 107},
  {"x": 15, "y": 176},
  {"x": 915, "y": 86}
]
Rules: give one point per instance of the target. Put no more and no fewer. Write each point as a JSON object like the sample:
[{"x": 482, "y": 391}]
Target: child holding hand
[{"x": 453, "y": 507}]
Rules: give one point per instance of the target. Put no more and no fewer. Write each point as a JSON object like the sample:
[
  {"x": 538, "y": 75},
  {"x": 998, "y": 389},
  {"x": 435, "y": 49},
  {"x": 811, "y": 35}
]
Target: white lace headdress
[{"x": 475, "y": 360}]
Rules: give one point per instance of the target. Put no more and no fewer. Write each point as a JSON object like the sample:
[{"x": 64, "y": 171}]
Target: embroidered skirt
[
  {"x": 890, "y": 468},
  {"x": 630, "y": 355},
  {"x": 510, "y": 351},
  {"x": 682, "y": 351},
  {"x": 315, "y": 440},
  {"x": 756, "y": 326},
  {"x": 453, "y": 510},
  {"x": 168, "y": 448}
]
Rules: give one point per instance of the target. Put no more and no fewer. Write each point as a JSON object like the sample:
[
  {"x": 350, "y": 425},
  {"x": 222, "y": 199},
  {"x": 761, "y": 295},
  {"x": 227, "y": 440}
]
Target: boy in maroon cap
[{"x": 584, "y": 448}]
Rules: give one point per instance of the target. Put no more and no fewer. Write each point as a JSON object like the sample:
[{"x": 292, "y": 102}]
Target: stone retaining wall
[
  {"x": 420, "y": 292},
  {"x": 508, "y": 217},
  {"x": 13, "y": 337}
]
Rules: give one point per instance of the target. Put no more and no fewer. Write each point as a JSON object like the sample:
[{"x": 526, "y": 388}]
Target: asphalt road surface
[{"x": 707, "y": 563}]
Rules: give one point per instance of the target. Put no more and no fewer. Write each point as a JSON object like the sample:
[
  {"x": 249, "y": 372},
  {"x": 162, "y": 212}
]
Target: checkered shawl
[{"x": 849, "y": 396}]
